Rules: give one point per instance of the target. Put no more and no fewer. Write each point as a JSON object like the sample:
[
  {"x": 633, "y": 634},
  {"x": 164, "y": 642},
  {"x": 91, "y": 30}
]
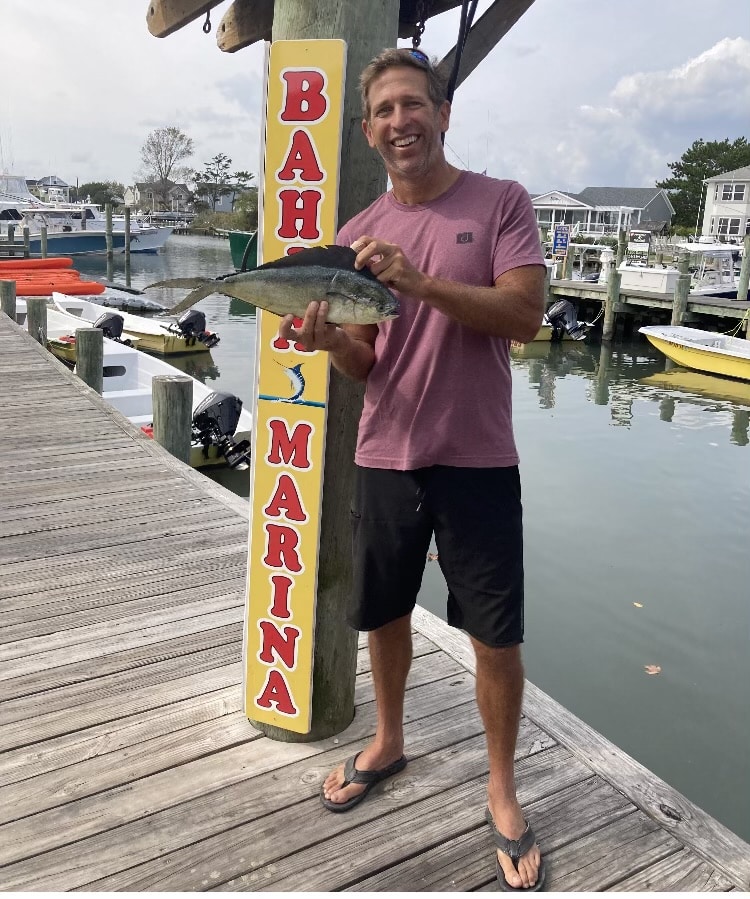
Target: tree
[
  {"x": 212, "y": 182},
  {"x": 101, "y": 193},
  {"x": 702, "y": 160},
  {"x": 240, "y": 184},
  {"x": 161, "y": 154}
]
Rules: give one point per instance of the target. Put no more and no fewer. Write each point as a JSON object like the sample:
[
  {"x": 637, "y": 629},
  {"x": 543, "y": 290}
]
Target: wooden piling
[
  {"x": 43, "y": 239},
  {"x": 681, "y": 291},
  {"x": 127, "y": 235},
  {"x": 90, "y": 357},
  {"x": 172, "y": 398},
  {"x": 36, "y": 318},
  {"x": 8, "y": 299},
  {"x": 569, "y": 257},
  {"x": 11, "y": 240},
  {"x": 744, "y": 281},
  {"x": 26, "y": 241},
  {"x": 108, "y": 240},
  {"x": 622, "y": 245},
  {"x": 611, "y": 305}
]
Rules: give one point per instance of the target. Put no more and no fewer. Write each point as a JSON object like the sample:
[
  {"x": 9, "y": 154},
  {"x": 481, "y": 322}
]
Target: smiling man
[{"x": 435, "y": 450}]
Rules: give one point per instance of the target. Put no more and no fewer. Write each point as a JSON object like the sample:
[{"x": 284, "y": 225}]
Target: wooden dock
[{"x": 126, "y": 762}]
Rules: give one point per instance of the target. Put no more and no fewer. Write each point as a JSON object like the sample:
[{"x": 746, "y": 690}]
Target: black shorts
[{"x": 476, "y": 517}]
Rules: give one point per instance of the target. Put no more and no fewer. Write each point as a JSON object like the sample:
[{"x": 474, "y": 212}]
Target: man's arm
[
  {"x": 512, "y": 308},
  {"x": 352, "y": 347}
]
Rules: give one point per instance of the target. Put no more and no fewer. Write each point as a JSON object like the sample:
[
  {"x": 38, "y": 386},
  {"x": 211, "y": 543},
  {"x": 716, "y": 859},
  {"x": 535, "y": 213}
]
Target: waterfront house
[
  {"x": 726, "y": 216},
  {"x": 600, "y": 211},
  {"x": 51, "y": 189},
  {"x": 148, "y": 196}
]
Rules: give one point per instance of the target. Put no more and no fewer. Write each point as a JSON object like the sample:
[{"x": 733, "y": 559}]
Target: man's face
[{"x": 404, "y": 126}]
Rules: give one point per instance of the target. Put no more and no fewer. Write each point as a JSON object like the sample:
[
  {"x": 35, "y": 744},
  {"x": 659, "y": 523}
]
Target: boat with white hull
[{"x": 186, "y": 334}]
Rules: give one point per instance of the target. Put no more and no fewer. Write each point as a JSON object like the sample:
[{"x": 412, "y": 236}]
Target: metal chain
[
  {"x": 207, "y": 23},
  {"x": 419, "y": 25}
]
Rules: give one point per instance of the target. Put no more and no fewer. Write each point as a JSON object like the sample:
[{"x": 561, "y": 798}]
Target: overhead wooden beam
[
  {"x": 484, "y": 36},
  {"x": 408, "y": 11},
  {"x": 166, "y": 16},
  {"x": 245, "y": 22}
]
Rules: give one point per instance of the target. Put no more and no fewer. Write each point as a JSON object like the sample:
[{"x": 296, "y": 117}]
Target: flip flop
[
  {"x": 368, "y": 778},
  {"x": 516, "y": 849}
]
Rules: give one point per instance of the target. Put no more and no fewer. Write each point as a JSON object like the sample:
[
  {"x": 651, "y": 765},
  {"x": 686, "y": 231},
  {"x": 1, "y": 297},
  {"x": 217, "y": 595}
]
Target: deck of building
[{"x": 126, "y": 762}]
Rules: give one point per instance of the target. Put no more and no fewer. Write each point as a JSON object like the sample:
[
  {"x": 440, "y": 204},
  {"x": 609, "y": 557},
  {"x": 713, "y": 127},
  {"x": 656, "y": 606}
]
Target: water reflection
[
  {"x": 618, "y": 376},
  {"x": 200, "y": 366}
]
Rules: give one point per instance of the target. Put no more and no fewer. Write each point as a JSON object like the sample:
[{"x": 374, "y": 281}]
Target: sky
[{"x": 579, "y": 93}]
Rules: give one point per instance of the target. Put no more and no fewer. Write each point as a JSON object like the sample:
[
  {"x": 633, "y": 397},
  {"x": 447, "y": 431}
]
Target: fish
[{"x": 288, "y": 285}]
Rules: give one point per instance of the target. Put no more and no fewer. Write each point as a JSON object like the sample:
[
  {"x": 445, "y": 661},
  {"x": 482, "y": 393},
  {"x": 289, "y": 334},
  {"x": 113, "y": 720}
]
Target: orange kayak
[{"x": 53, "y": 262}]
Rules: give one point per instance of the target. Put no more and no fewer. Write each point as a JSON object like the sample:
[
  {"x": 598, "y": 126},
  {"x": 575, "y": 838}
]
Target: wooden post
[
  {"x": 43, "y": 239},
  {"x": 679, "y": 304},
  {"x": 8, "y": 299},
  {"x": 108, "y": 239},
  {"x": 611, "y": 304},
  {"x": 127, "y": 235},
  {"x": 622, "y": 245},
  {"x": 172, "y": 398},
  {"x": 367, "y": 28},
  {"x": 744, "y": 281},
  {"x": 11, "y": 240},
  {"x": 569, "y": 257},
  {"x": 26, "y": 241},
  {"x": 90, "y": 357},
  {"x": 36, "y": 318}
]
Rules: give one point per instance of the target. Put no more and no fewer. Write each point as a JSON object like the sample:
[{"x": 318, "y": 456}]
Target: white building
[
  {"x": 598, "y": 211},
  {"x": 727, "y": 212}
]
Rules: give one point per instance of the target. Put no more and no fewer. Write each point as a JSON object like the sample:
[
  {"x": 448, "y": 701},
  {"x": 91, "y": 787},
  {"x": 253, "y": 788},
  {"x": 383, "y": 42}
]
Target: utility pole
[{"x": 367, "y": 28}]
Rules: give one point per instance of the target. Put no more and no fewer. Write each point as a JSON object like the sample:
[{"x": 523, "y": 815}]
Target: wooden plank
[
  {"x": 693, "y": 827},
  {"x": 244, "y": 23},
  {"x": 682, "y": 872},
  {"x": 164, "y": 17}
]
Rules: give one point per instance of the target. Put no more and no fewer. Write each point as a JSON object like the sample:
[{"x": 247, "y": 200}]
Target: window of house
[
  {"x": 729, "y": 226},
  {"x": 733, "y": 192}
]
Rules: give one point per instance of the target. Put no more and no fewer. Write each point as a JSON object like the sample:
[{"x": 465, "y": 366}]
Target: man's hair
[{"x": 403, "y": 57}]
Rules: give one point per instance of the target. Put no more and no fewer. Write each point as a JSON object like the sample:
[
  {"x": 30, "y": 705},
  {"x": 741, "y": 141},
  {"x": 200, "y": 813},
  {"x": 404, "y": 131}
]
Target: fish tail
[
  {"x": 185, "y": 283},
  {"x": 205, "y": 290}
]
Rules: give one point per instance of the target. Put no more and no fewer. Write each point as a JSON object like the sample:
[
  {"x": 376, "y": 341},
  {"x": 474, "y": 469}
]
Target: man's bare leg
[
  {"x": 499, "y": 695},
  {"x": 390, "y": 659}
]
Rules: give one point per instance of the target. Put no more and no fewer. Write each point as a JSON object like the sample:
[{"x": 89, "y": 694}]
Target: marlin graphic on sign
[{"x": 298, "y": 381}]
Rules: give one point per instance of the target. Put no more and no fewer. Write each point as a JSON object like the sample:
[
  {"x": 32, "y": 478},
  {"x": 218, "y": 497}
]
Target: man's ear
[
  {"x": 445, "y": 115},
  {"x": 366, "y": 130}
]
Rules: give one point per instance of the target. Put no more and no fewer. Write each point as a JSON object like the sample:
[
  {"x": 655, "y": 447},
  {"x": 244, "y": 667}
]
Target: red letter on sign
[
  {"x": 284, "y": 646},
  {"x": 299, "y": 206},
  {"x": 276, "y": 692},
  {"x": 279, "y": 607},
  {"x": 301, "y": 158},
  {"x": 281, "y": 548},
  {"x": 304, "y": 100},
  {"x": 291, "y": 450},
  {"x": 286, "y": 500}
]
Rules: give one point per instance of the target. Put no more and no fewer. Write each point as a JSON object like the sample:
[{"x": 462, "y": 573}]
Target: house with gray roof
[
  {"x": 604, "y": 211},
  {"x": 148, "y": 196},
  {"x": 726, "y": 216}
]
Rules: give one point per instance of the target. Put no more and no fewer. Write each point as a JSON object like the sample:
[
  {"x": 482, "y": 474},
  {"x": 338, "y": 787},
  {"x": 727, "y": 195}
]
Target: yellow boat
[{"x": 707, "y": 351}]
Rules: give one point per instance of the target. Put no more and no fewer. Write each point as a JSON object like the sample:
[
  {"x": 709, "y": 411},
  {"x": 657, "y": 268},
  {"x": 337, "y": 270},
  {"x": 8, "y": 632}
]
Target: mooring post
[
  {"x": 622, "y": 245},
  {"x": 36, "y": 318},
  {"x": 569, "y": 257},
  {"x": 172, "y": 409},
  {"x": 127, "y": 235},
  {"x": 90, "y": 357},
  {"x": 611, "y": 304},
  {"x": 11, "y": 240},
  {"x": 8, "y": 298},
  {"x": 744, "y": 281},
  {"x": 108, "y": 238},
  {"x": 43, "y": 239},
  {"x": 681, "y": 291},
  {"x": 26, "y": 241}
]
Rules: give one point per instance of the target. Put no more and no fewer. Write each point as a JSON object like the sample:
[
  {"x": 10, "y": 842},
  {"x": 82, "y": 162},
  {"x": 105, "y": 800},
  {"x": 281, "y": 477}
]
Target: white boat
[
  {"x": 73, "y": 229},
  {"x": 187, "y": 334},
  {"x": 707, "y": 351},
  {"x": 714, "y": 275},
  {"x": 221, "y": 427}
]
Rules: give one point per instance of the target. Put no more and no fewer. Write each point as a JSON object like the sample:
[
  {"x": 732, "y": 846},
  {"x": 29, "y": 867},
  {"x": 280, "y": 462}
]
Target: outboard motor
[
  {"x": 562, "y": 317},
  {"x": 111, "y": 325},
  {"x": 214, "y": 423},
  {"x": 192, "y": 326}
]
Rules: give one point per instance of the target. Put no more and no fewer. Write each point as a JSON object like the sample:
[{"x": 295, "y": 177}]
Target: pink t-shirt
[{"x": 439, "y": 392}]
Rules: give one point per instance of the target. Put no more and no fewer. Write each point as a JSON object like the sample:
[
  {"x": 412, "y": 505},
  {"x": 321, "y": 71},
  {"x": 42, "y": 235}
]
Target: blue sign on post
[{"x": 561, "y": 240}]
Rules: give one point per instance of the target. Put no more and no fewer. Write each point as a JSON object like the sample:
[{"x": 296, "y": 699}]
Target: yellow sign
[{"x": 299, "y": 205}]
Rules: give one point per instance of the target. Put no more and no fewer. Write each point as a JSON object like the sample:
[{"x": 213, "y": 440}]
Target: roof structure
[
  {"x": 741, "y": 174},
  {"x": 635, "y": 197}
]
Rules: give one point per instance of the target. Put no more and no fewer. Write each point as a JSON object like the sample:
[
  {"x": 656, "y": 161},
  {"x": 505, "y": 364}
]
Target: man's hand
[
  {"x": 389, "y": 264},
  {"x": 316, "y": 333}
]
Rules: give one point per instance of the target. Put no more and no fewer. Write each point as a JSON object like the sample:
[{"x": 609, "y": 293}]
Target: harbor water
[{"x": 636, "y": 489}]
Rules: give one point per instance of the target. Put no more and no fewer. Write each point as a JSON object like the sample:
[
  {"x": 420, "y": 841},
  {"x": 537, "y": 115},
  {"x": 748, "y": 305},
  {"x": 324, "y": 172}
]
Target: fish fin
[
  {"x": 331, "y": 256},
  {"x": 205, "y": 290},
  {"x": 186, "y": 283}
]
